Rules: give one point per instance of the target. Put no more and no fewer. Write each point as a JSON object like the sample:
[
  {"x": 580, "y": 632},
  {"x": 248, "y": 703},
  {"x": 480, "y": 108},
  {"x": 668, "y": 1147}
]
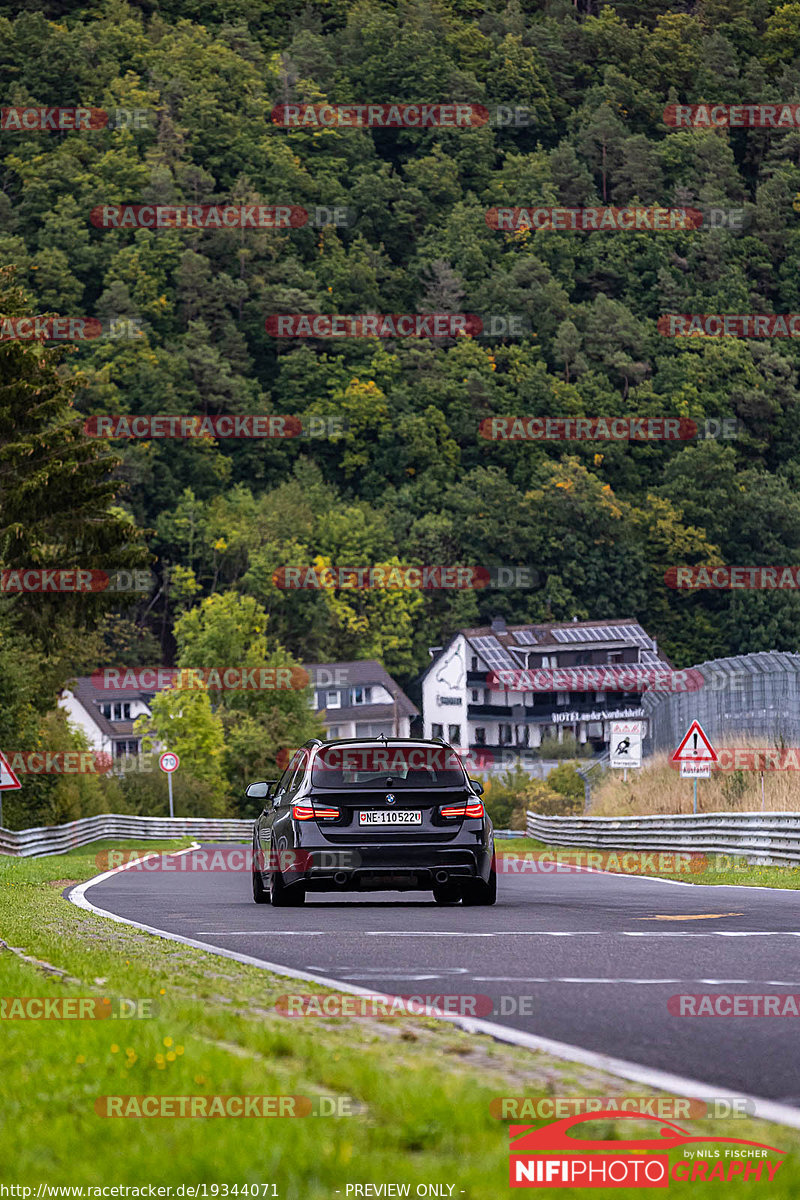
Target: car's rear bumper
[{"x": 363, "y": 867}]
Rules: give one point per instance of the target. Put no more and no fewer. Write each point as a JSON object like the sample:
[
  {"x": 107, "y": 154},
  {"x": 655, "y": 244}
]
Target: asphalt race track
[{"x": 580, "y": 957}]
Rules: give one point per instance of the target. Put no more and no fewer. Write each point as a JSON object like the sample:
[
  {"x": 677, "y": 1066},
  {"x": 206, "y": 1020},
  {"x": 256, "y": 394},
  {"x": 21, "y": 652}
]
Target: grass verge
[{"x": 420, "y": 1089}]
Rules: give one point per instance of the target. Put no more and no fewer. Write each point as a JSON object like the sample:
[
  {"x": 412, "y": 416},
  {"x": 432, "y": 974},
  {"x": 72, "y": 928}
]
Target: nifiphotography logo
[{"x": 550, "y": 1157}]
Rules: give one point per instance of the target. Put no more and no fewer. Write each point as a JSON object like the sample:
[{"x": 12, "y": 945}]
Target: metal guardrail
[
  {"x": 763, "y": 837},
  {"x": 57, "y": 839}
]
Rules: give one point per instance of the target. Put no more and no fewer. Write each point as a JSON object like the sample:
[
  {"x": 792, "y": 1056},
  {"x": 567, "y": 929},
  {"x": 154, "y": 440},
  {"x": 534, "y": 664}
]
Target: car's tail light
[
  {"x": 308, "y": 812},
  {"x": 472, "y": 808}
]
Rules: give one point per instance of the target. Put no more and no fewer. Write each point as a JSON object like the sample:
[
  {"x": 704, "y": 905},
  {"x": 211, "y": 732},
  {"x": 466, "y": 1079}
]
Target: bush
[
  {"x": 146, "y": 794},
  {"x": 565, "y": 779},
  {"x": 539, "y": 797},
  {"x": 502, "y": 797},
  {"x": 570, "y": 748}
]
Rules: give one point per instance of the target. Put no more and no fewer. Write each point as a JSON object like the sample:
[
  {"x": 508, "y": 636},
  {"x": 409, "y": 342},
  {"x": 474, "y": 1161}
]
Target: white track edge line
[{"x": 681, "y": 1085}]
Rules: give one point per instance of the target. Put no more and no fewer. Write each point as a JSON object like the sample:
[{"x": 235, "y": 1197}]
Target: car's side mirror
[
  {"x": 477, "y": 786},
  {"x": 259, "y": 791}
]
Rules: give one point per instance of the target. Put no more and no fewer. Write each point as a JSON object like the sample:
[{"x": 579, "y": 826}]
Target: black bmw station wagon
[{"x": 385, "y": 814}]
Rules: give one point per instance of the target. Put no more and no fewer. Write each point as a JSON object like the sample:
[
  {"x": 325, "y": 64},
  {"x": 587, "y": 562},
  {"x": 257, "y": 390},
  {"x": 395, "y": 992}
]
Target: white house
[
  {"x": 463, "y": 704},
  {"x": 106, "y": 716}
]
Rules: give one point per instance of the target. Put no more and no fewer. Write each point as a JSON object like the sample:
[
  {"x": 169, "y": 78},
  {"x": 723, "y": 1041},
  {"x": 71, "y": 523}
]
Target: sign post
[
  {"x": 625, "y": 746},
  {"x": 8, "y": 782},
  {"x": 695, "y": 754},
  {"x": 169, "y": 762}
]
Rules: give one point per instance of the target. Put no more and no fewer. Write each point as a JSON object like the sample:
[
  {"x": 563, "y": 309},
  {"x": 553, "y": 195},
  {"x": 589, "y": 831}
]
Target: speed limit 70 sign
[{"x": 169, "y": 761}]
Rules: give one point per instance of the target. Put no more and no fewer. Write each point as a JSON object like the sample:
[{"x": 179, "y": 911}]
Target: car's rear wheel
[
  {"x": 447, "y": 893},
  {"x": 478, "y": 892},
  {"x": 283, "y": 895}
]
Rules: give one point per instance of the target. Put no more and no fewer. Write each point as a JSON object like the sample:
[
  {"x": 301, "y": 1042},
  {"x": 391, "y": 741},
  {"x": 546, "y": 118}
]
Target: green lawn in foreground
[
  {"x": 421, "y": 1088},
  {"x": 721, "y": 868}
]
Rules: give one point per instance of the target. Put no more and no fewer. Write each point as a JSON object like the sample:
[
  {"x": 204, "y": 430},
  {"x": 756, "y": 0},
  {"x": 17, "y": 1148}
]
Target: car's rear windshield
[{"x": 374, "y": 766}]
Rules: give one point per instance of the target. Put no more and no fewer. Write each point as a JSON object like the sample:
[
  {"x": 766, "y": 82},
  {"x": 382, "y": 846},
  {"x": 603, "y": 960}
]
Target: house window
[
  {"x": 362, "y": 695},
  {"x": 614, "y": 656},
  {"x": 333, "y": 700},
  {"x": 133, "y": 747},
  {"x": 105, "y": 709},
  {"x": 562, "y": 698},
  {"x": 505, "y": 735},
  {"x": 549, "y": 660},
  {"x": 437, "y": 731},
  {"x": 480, "y": 736},
  {"x": 454, "y": 735},
  {"x": 476, "y": 696},
  {"x": 474, "y": 663},
  {"x": 333, "y": 731},
  {"x": 126, "y": 711}
]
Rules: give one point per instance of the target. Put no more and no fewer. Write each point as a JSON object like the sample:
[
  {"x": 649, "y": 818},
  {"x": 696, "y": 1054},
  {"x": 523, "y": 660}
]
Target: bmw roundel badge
[{"x": 390, "y": 797}]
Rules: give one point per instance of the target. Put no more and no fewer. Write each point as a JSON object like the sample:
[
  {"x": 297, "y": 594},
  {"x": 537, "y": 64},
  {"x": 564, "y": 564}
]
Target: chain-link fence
[{"x": 751, "y": 696}]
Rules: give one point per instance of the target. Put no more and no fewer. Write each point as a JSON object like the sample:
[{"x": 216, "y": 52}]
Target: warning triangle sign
[
  {"x": 8, "y": 779},
  {"x": 695, "y": 747}
]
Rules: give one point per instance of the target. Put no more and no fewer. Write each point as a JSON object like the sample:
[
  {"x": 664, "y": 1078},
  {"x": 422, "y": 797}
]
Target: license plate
[{"x": 404, "y": 816}]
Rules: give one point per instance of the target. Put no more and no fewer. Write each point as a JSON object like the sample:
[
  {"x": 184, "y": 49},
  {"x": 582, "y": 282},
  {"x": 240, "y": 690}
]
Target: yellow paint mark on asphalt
[{"x": 686, "y": 917}]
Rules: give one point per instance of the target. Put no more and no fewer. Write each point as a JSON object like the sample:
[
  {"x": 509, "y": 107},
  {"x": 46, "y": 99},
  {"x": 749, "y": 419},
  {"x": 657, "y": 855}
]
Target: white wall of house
[
  {"x": 347, "y": 729},
  {"x": 80, "y": 719},
  {"x": 83, "y": 719},
  {"x": 444, "y": 692}
]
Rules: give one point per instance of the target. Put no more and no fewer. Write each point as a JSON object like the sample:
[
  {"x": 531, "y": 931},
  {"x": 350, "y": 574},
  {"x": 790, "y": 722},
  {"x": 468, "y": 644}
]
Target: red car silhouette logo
[{"x": 525, "y": 1139}]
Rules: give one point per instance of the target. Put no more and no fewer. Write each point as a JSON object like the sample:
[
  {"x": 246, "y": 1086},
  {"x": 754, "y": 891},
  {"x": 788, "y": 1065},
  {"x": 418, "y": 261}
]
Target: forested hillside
[{"x": 405, "y": 475}]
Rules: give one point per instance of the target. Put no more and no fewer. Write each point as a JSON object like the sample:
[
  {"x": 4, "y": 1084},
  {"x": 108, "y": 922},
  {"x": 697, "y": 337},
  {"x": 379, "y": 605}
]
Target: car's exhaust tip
[
  {"x": 441, "y": 877},
  {"x": 340, "y": 878}
]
